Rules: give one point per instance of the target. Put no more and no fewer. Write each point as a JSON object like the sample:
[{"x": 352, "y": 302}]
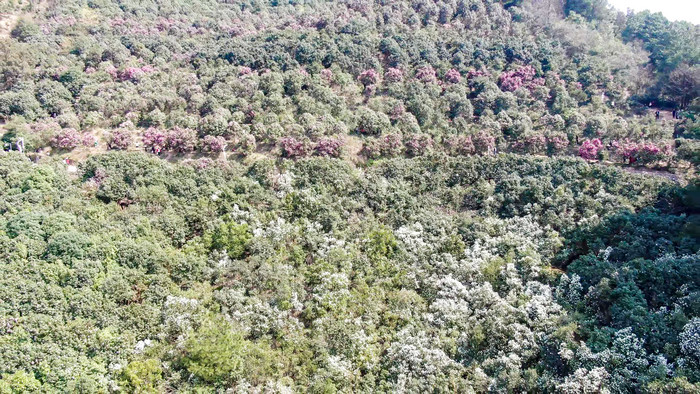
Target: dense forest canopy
[{"x": 357, "y": 196}]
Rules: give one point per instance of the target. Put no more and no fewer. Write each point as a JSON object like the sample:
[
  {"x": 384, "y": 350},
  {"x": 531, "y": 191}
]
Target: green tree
[
  {"x": 143, "y": 376},
  {"x": 231, "y": 237}
]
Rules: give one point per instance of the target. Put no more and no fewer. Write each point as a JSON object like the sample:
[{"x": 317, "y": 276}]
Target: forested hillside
[{"x": 356, "y": 196}]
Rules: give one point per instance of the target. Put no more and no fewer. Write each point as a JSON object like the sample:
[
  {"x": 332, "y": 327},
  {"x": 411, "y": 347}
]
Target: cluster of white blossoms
[
  {"x": 284, "y": 183},
  {"x": 179, "y": 315}
]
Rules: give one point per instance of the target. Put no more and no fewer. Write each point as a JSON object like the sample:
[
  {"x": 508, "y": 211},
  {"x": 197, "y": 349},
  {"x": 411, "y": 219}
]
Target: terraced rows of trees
[{"x": 357, "y": 196}]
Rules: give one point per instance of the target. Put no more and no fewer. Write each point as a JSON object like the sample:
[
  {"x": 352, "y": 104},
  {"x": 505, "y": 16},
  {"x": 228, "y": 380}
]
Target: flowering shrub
[
  {"x": 243, "y": 70},
  {"x": 461, "y": 145},
  {"x": 130, "y": 73},
  {"x": 397, "y": 111},
  {"x": 557, "y": 144},
  {"x": 391, "y": 145},
  {"x": 66, "y": 139},
  {"x": 393, "y": 75},
  {"x": 329, "y": 147},
  {"x": 471, "y": 74},
  {"x": 370, "y": 90},
  {"x": 120, "y": 139},
  {"x": 484, "y": 143},
  {"x": 293, "y": 148},
  {"x": 327, "y": 74},
  {"x": 418, "y": 144},
  {"x": 372, "y": 148},
  {"x": 626, "y": 150},
  {"x": 368, "y": 77},
  {"x": 453, "y": 76},
  {"x": 650, "y": 152},
  {"x": 426, "y": 74},
  {"x": 154, "y": 139},
  {"x": 212, "y": 143},
  {"x": 523, "y": 76},
  {"x": 590, "y": 148},
  {"x": 641, "y": 152},
  {"x": 182, "y": 140},
  {"x": 88, "y": 139},
  {"x": 535, "y": 144}
]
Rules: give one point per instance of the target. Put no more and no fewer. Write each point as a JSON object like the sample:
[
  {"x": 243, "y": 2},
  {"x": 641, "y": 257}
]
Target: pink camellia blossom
[
  {"x": 293, "y": 148},
  {"x": 181, "y": 140},
  {"x": 557, "y": 144},
  {"x": 391, "y": 145},
  {"x": 397, "y": 111},
  {"x": 461, "y": 145},
  {"x": 476, "y": 73},
  {"x": 426, "y": 74},
  {"x": 154, "y": 139},
  {"x": 484, "y": 143},
  {"x": 523, "y": 76},
  {"x": 330, "y": 147},
  {"x": 326, "y": 74},
  {"x": 368, "y": 77},
  {"x": 393, "y": 75},
  {"x": 131, "y": 73},
  {"x": 112, "y": 71},
  {"x": 641, "y": 152},
  {"x": 213, "y": 143},
  {"x": 625, "y": 149},
  {"x": 66, "y": 139},
  {"x": 120, "y": 140},
  {"x": 590, "y": 148},
  {"x": 533, "y": 144},
  {"x": 453, "y": 76},
  {"x": 88, "y": 139},
  {"x": 418, "y": 144}
]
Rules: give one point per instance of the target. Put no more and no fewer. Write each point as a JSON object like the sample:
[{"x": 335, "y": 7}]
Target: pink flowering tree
[
  {"x": 294, "y": 148},
  {"x": 243, "y": 70},
  {"x": 392, "y": 145},
  {"x": 88, "y": 139},
  {"x": 471, "y": 74},
  {"x": 393, "y": 75},
  {"x": 327, "y": 75},
  {"x": 154, "y": 139},
  {"x": 557, "y": 144},
  {"x": 372, "y": 148},
  {"x": 212, "y": 143},
  {"x": 418, "y": 144},
  {"x": 181, "y": 140},
  {"x": 368, "y": 77},
  {"x": 522, "y": 77},
  {"x": 461, "y": 145},
  {"x": 535, "y": 144},
  {"x": 484, "y": 143},
  {"x": 426, "y": 74},
  {"x": 590, "y": 148},
  {"x": 66, "y": 139},
  {"x": 650, "y": 152},
  {"x": 120, "y": 139},
  {"x": 626, "y": 150},
  {"x": 453, "y": 76},
  {"x": 330, "y": 147}
]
